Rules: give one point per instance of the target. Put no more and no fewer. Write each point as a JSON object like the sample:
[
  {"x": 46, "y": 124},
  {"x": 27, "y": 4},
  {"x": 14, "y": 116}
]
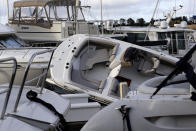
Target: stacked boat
[
  {"x": 104, "y": 69},
  {"x": 98, "y": 66}
]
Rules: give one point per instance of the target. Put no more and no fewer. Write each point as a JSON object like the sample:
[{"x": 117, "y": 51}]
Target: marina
[{"x": 81, "y": 65}]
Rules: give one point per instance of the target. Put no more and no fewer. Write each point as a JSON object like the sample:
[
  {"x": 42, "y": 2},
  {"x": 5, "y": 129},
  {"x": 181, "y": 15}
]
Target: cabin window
[
  {"x": 161, "y": 36},
  {"x": 174, "y": 43},
  {"x": 60, "y": 15},
  {"x": 31, "y": 15},
  {"x": 28, "y": 12},
  {"x": 136, "y": 37},
  {"x": 173, "y": 48},
  {"x": 9, "y": 42},
  {"x": 181, "y": 41}
]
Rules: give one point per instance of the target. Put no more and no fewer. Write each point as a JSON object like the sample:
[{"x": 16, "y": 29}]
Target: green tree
[
  {"x": 122, "y": 22},
  {"x": 140, "y": 22},
  {"x": 184, "y": 18},
  {"x": 130, "y": 22}
]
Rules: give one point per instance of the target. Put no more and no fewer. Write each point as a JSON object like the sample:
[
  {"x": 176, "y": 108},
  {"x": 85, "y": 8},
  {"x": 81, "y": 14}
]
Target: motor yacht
[
  {"x": 175, "y": 40},
  {"x": 42, "y": 21}
]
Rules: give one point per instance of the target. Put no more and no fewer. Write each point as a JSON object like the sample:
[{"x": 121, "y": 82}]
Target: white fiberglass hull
[
  {"x": 22, "y": 56},
  {"x": 94, "y": 65},
  {"x": 170, "y": 110}
]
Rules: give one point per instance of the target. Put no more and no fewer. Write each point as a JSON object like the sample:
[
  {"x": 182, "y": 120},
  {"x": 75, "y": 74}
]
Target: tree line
[{"x": 142, "y": 22}]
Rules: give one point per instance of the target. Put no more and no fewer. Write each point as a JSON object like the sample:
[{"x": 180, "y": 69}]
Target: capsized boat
[
  {"x": 170, "y": 109},
  {"x": 98, "y": 65}
]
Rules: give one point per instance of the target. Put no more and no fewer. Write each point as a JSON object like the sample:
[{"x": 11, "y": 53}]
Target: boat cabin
[
  {"x": 173, "y": 41},
  {"x": 49, "y": 20}
]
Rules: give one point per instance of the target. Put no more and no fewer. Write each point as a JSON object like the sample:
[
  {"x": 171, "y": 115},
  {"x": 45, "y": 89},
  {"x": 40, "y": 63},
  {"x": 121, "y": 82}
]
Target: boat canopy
[
  {"x": 43, "y": 3},
  {"x": 43, "y": 12}
]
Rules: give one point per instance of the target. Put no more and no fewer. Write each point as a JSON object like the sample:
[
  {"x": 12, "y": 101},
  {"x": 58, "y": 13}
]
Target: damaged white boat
[
  {"x": 172, "y": 109},
  {"x": 98, "y": 66}
]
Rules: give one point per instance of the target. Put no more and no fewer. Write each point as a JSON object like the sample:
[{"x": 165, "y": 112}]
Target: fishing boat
[
  {"x": 42, "y": 21},
  {"x": 101, "y": 66},
  {"x": 165, "y": 103}
]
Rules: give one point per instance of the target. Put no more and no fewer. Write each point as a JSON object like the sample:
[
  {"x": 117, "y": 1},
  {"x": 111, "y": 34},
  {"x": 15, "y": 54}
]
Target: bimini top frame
[
  {"x": 41, "y": 12},
  {"x": 43, "y": 3}
]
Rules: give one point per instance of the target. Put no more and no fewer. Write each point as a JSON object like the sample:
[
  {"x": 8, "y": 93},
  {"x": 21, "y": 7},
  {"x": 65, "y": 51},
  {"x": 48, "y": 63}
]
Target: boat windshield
[
  {"x": 178, "y": 40},
  {"x": 10, "y": 42},
  {"x": 136, "y": 37}
]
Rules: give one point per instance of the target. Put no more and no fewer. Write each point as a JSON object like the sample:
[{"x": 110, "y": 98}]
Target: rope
[{"x": 125, "y": 116}]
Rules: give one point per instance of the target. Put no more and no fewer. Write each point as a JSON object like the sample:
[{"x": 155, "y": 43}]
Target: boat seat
[
  {"x": 78, "y": 70},
  {"x": 149, "y": 86},
  {"x": 88, "y": 57},
  {"x": 80, "y": 79},
  {"x": 96, "y": 56}
]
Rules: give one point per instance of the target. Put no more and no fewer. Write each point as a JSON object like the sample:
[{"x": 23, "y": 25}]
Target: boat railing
[
  {"x": 8, "y": 91},
  {"x": 43, "y": 75},
  {"x": 27, "y": 48}
]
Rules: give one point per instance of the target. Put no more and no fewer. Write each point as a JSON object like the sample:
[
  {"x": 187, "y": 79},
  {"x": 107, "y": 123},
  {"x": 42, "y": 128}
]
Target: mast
[
  {"x": 170, "y": 15},
  {"x": 148, "y": 29},
  {"x": 8, "y": 10},
  {"x": 101, "y": 17},
  {"x": 76, "y": 15}
]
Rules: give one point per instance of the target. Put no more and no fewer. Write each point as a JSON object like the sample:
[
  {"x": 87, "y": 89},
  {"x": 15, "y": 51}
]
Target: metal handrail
[
  {"x": 26, "y": 73},
  {"x": 10, "y": 84}
]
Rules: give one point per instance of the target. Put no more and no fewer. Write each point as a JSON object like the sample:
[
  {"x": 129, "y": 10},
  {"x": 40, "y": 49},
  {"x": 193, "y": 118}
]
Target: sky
[{"x": 116, "y": 9}]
